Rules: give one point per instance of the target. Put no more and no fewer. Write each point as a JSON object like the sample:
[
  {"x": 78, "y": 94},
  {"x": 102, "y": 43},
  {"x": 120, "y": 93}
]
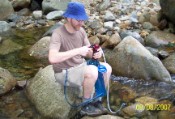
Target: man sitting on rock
[{"x": 68, "y": 45}]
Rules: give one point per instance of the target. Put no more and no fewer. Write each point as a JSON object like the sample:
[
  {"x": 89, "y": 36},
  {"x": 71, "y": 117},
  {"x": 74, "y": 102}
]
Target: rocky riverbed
[{"x": 138, "y": 43}]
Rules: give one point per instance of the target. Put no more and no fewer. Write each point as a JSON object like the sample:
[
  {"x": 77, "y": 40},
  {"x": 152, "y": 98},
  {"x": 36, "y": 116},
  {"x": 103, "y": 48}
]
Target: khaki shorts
[{"x": 75, "y": 76}]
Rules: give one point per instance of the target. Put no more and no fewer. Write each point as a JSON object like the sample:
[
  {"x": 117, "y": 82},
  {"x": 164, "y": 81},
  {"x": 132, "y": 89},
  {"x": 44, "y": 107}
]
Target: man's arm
[{"x": 56, "y": 57}]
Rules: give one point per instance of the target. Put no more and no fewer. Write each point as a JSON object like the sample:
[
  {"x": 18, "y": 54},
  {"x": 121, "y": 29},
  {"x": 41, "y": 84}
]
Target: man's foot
[
  {"x": 98, "y": 104},
  {"x": 90, "y": 110}
]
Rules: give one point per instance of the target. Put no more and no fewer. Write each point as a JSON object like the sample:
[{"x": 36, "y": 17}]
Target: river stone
[
  {"x": 103, "y": 117},
  {"x": 6, "y": 9},
  {"x": 52, "y": 5},
  {"x": 40, "y": 49},
  {"x": 4, "y": 27},
  {"x": 8, "y": 46},
  {"x": 7, "y": 81},
  {"x": 159, "y": 38},
  {"x": 47, "y": 95},
  {"x": 131, "y": 59},
  {"x": 169, "y": 63}
]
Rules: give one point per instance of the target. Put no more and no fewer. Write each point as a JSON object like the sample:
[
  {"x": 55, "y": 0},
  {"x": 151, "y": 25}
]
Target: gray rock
[
  {"x": 6, "y": 9},
  {"x": 54, "y": 15},
  {"x": 40, "y": 49},
  {"x": 4, "y": 27},
  {"x": 131, "y": 59},
  {"x": 52, "y": 5},
  {"x": 7, "y": 81},
  {"x": 8, "y": 46},
  {"x": 50, "y": 31},
  {"x": 133, "y": 34},
  {"x": 47, "y": 95},
  {"x": 159, "y": 38},
  {"x": 169, "y": 63}
]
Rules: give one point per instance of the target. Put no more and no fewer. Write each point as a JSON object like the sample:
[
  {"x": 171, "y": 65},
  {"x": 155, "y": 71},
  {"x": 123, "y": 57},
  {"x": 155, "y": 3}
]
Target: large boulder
[
  {"x": 48, "y": 96},
  {"x": 6, "y": 9},
  {"x": 131, "y": 59},
  {"x": 168, "y": 9}
]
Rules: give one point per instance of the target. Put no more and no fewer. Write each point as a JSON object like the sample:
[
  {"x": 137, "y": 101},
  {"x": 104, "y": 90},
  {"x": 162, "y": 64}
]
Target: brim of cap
[{"x": 83, "y": 17}]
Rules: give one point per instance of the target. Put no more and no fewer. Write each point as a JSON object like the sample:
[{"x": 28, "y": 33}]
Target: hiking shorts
[{"x": 75, "y": 76}]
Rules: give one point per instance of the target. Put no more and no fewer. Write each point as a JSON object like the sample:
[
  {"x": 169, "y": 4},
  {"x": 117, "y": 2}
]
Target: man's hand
[
  {"x": 84, "y": 51},
  {"x": 98, "y": 54}
]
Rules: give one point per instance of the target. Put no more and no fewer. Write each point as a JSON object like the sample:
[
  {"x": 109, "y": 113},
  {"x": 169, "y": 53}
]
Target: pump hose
[{"x": 108, "y": 101}]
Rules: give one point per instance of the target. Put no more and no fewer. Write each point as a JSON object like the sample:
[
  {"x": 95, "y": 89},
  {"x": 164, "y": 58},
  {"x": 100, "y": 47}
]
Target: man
[{"x": 69, "y": 44}]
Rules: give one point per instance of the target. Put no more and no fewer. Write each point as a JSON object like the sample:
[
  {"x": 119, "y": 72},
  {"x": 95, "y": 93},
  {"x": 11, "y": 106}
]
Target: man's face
[{"x": 76, "y": 24}]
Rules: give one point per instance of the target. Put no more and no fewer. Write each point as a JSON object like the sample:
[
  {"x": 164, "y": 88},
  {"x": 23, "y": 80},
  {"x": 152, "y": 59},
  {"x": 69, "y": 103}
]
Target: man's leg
[
  {"x": 90, "y": 77},
  {"x": 98, "y": 102}
]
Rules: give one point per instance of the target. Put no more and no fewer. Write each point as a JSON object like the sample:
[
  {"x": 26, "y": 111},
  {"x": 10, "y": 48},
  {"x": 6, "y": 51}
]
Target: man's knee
[{"x": 91, "y": 71}]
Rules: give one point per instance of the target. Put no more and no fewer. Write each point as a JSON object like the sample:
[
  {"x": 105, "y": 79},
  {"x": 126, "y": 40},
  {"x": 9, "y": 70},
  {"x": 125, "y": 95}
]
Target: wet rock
[
  {"x": 133, "y": 111},
  {"x": 7, "y": 81},
  {"x": 103, "y": 117},
  {"x": 18, "y": 4},
  {"x": 8, "y": 46},
  {"x": 50, "y": 31},
  {"x": 169, "y": 63},
  {"x": 41, "y": 48},
  {"x": 159, "y": 38},
  {"x": 6, "y": 9},
  {"x": 52, "y": 5},
  {"x": 126, "y": 94},
  {"x": 4, "y": 27},
  {"x": 146, "y": 100}
]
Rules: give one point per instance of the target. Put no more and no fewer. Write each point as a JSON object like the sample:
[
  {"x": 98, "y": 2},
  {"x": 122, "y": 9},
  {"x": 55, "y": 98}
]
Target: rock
[
  {"x": 168, "y": 9},
  {"x": 146, "y": 100},
  {"x": 7, "y": 81},
  {"x": 6, "y": 9},
  {"x": 47, "y": 95},
  {"x": 40, "y": 49},
  {"x": 103, "y": 117},
  {"x": 133, "y": 111},
  {"x": 135, "y": 61},
  {"x": 94, "y": 40},
  {"x": 112, "y": 42},
  {"x": 50, "y": 31},
  {"x": 20, "y": 4},
  {"x": 54, "y": 15},
  {"x": 136, "y": 35},
  {"x": 169, "y": 63},
  {"x": 159, "y": 38},
  {"x": 52, "y": 5},
  {"x": 4, "y": 27},
  {"x": 8, "y": 46},
  {"x": 37, "y": 14}
]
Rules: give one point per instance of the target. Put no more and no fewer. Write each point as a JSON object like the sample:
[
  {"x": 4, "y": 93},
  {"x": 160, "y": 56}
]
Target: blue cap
[{"x": 75, "y": 10}]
